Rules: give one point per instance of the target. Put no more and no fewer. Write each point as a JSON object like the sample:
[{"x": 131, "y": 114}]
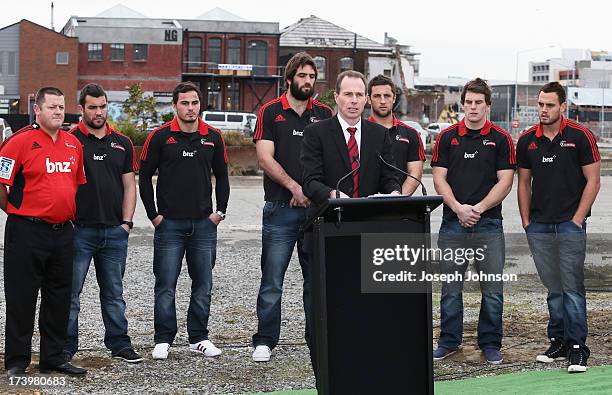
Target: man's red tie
[{"x": 353, "y": 151}]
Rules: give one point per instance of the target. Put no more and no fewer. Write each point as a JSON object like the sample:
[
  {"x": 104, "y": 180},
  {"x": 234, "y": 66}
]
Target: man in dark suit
[{"x": 335, "y": 146}]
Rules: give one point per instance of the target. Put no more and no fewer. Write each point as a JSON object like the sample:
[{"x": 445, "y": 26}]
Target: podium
[{"x": 367, "y": 343}]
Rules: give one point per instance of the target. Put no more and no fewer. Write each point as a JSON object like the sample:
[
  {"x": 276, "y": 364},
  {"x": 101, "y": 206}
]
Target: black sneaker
[
  {"x": 129, "y": 356},
  {"x": 577, "y": 360},
  {"x": 556, "y": 352}
]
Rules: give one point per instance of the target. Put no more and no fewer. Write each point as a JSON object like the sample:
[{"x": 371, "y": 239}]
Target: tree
[
  {"x": 327, "y": 98},
  {"x": 138, "y": 107}
]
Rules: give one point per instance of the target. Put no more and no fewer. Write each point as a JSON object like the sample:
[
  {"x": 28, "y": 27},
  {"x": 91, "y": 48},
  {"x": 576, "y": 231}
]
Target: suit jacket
[{"x": 325, "y": 160}]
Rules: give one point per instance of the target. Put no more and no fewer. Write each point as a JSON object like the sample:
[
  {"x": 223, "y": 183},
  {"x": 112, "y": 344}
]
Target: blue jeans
[
  {"x": 281, "y": 231},
  {"x": 487, "y": 232},
  {"x": 558, "y": 252},
  {"x": 107, "y": 245},
  {"x": 196, "y": 240}
]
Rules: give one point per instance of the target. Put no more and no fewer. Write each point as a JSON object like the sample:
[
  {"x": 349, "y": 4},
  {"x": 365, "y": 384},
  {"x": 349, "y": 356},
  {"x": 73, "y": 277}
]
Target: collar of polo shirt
[{"x": 202, "y": 126}]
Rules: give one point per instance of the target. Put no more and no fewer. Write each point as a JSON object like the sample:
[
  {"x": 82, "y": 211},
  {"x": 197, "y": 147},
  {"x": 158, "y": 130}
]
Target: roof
[
  {"x": 120, "y": 11},
  {"x": 315, "y": 32},
  {"x": 590, "y": 97},
  {"x": 219, "y": 14}
]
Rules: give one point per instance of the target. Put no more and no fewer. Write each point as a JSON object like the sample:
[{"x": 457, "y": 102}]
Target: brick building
[
  {"x": 234, "y": 61},
  {"x": 32, "y": 56},
  {"x": 121, "y": 47}
]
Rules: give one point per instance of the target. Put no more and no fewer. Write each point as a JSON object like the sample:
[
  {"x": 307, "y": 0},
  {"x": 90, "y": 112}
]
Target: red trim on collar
[
  {"x": 83, "y": 128},
  {"x": 539, "y": 132},
  {"x": 486, "y": 129},
  {"x": 286, "y": 105},
  {"x": 202, "y": 126},
  {"x": 396, "y": 122}
]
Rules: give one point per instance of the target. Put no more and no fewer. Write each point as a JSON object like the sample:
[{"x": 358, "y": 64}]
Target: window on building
[
  {"x": 214, "y": 95},
  {"x": 12, "y": 63},
  {"x": 321, "y": 63},
  {"x": 194, "y": 55},
  {"x": 214, "y": 53},
  {"x": 232, "y": 98},
  {"x": 61, "y": 57},
  {"x": 257, "y": 55},
  {"x": 347, "y": 64},
  {"x": 141, "y": 52},
  {"x": 117, "y": 52},
  {"x": 233, "y": 51},
  {"x": 94, "y": 51}
]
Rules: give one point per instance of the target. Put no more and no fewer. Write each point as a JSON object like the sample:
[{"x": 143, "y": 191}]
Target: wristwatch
[
  {"x": 130, "y": 224},
  {"x": 220, "y": 214}
]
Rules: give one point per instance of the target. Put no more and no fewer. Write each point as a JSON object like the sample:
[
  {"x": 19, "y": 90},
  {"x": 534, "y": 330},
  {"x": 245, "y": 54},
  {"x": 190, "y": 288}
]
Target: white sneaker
[
  {"x": 205, "y": 347},
  {"x": 262, "y": 354},
  {"x": 161, "y": 351}
]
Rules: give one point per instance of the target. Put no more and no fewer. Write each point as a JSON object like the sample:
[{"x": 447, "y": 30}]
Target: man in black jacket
[{"x": 334, "y": 147}]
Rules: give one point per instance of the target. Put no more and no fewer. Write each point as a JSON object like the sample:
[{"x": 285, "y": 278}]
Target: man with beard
[
  {"x": 408, "y": 150},
  {"x": 43, "y": 167},
  {"x": 278, "y": 137},
  {"x": 184, "y": 151},
  {"x": 105, "y": 207},
  {"x": 558, "y": 181}
]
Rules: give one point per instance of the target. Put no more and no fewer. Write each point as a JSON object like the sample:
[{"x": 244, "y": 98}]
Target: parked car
[
  {"x": 423, "y": 134},
  {"x": 5, "y": 129},
  {"x": 435, "y": 128},
  {"x": 226, "y": 121}
]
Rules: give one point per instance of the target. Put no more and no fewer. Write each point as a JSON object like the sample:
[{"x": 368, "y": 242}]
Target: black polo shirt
[
  {"x": 406, "y": 145},
  {"x": 278, "y": 123},
  {"x": 100, "y": 201},
  {"x": 184, "y": 161},
  {"x": 556, "y": 168},
  {"x": 473, "y": 159}
]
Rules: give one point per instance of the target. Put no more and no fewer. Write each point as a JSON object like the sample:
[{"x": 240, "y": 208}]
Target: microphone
[
  {"x": 350, "y": 173},
  {"x": 338, "y": 209},
  {"x": 423, "y": 190}
]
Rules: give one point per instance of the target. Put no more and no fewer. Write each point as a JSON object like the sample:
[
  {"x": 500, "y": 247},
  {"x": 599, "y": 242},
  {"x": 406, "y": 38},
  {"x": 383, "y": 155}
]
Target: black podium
[{"x": 367, "y": 343}]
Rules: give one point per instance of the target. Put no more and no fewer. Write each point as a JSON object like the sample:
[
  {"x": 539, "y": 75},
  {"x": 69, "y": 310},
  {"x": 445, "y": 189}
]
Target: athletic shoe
[
  {"x": 577, "y": 360},
  {"x": 262, "y": 354},
  {"x": 205, "y": 347},
  {"x": 556, "y": 352},
  {"x": 442, "y": 352},
  {"x": 129, "y": 356},
  {"x": 161, "y": 351},
  {"x": 493, "y": 356}
]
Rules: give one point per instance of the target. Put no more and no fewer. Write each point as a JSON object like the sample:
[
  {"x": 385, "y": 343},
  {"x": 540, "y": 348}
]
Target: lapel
[
  {"x": 338, "y": 137},
  {"x": 364, "y": 153}
]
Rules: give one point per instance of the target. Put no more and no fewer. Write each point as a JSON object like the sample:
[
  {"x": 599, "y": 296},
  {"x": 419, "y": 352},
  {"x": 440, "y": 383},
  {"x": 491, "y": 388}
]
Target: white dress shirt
[{"x": 344, "y": 125}]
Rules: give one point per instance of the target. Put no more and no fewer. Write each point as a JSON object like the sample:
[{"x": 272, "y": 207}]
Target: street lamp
[{"x": 516, "y": 74}]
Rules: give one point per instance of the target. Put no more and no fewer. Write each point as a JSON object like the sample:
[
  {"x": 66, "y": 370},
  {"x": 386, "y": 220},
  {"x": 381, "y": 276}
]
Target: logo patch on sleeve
[{"x": 6, "y": 167}]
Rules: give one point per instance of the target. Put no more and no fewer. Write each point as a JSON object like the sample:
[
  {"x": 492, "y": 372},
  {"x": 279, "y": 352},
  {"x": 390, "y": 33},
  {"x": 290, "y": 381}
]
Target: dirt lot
[{"x": 233, "y": 318}]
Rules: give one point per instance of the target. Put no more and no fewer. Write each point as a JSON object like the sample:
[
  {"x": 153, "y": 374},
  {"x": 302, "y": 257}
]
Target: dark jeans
[
  {"x": 281, "y": 231},
  {"x": 36, "y": 257},
  {"x": 196, "y": 240},
  {"x": 558, "y": 252},
  {"x": 107, "y": 245},
  {"x": 487, "y": 232}
]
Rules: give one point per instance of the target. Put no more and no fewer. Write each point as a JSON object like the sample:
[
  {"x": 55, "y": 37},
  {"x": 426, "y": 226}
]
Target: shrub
[{"x": 237, "y": 139}]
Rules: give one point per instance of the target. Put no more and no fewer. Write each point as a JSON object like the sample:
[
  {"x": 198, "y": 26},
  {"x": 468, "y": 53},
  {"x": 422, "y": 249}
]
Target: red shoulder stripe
[
  {"x": 434, "y": 157},
  {"x": 590, "y": 138},
  {"x": 260, "y": 118},
  {"x": 145, "y": 148}
]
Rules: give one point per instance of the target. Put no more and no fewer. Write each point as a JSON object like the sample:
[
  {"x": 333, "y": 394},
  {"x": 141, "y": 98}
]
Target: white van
[{"x": 234, "y": 121}]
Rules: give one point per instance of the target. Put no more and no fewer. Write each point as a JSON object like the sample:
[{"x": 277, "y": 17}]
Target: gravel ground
[{"x": 233, "y": 318}]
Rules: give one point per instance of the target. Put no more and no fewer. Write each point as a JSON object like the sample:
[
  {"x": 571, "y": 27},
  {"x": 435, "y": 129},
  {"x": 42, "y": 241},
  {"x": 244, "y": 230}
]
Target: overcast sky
[{"x": 455, "y": 38}]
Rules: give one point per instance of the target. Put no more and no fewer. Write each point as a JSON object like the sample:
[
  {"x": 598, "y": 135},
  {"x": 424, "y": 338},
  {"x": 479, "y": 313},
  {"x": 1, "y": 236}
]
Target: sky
[{"x": 466, "y": 38}]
